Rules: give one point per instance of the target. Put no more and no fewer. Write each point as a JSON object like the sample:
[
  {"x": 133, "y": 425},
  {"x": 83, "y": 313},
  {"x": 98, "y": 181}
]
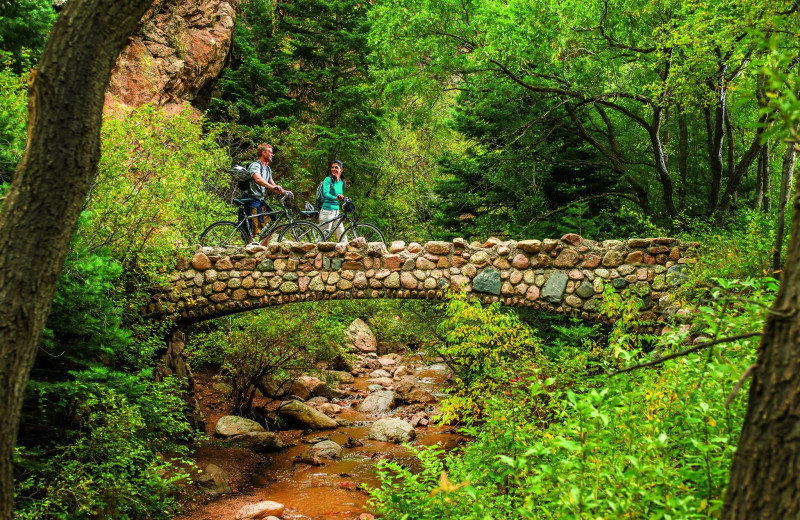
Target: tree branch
[{"x": 686, "y": 352}]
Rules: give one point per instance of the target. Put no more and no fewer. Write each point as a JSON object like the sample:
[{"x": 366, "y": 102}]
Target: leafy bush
[
  {"x": 274, "y": 343},
  {"x": 110, "y": 457},
  {"x": 99, "y": 437},
  {"x": 13, "y": 121},
  {"x": 157, "y": 188},
  {"x": 488, "y": 350},
  {"x": 653, "y": 443}
]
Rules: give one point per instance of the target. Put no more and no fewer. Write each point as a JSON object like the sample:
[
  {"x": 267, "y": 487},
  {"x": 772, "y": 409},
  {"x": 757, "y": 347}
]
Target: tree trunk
[
  {"x": 714, "y": 136},
  {"x": 762, "y": 178},
  {"x": 683, "y": 158},
  {"x": 764, "y": 483},
  {"x": 660, "y": 159},
  {"x": 786, "y": 187},
  {"x": 51, "y": 183},
  {"x": 737, "y": 174}
]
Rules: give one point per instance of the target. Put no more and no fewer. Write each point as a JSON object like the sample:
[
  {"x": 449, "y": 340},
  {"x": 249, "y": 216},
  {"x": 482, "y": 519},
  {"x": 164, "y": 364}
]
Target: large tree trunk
[
  {"x": 764, "y": 483},
  {"x": 51, "y": 183}
]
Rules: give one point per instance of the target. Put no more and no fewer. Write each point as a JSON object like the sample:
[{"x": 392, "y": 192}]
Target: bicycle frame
[
  {"x": 280, "y": 215},
  {"x": 338, "y": 221}
]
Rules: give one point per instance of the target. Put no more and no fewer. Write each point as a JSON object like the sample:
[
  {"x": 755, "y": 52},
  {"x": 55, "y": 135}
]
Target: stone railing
[{"x": 565, "y": 276}]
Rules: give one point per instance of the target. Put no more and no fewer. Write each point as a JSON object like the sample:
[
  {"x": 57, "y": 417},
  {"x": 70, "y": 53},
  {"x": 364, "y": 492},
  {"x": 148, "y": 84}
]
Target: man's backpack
[
  {"x": 320, "y": 197},
  {"x": 242, "y": 177}
]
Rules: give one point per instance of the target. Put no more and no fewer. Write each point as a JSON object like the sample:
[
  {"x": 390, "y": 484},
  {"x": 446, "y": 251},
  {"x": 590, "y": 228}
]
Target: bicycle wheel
[
  {"x": 368, "y": 231},
  {"x": 301, "y": 231},
  {"x": 223, "y": 234}
]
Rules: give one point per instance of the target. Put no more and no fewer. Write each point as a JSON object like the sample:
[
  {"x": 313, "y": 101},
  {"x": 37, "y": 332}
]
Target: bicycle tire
[
  {"x": 368, "y": 231},
  {"x": 223, "y": 234},
  {"x": 301, "y": 231}
]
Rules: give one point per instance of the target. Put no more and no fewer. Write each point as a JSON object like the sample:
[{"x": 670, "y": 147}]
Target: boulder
[
  {"x": 327, "y": 450},
  {"x": 315, "y": 401},
  {"x": 378, "y": 402},
  {"x": 383, "y": 381},
  {"x": 230, "y": 425},
  {"x": 313, "y": 386},
  {"x": 302, "y": 414},
  {"x": 214, "y": 481},
  {"x": 401, "y": 371},
  {"x": 264, "y": 509},
  {"x": 302, "y": 388},
  {"x": 375, "y": 374},
  {"x": 341, "y": 376},
  {"x": 259, "y": 442},
  {"x": 178, "y": 52},
  {"x": 387, "y": 360},
  {"x": 361, "y": 337},
  {"x": 420, "y": 395},
  {"x": 329, "y": 409},
  {"x": 419, "y": 419},
  {"x": 392, "y": 430},
  {"x": 405, "y": 385}
]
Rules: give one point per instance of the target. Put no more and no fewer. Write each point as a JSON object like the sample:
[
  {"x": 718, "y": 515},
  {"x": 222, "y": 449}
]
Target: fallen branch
[{"x": 686, "y": 352}]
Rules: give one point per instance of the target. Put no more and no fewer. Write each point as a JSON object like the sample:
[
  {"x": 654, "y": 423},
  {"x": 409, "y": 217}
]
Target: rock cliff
[{"x": 176, "y": 54}]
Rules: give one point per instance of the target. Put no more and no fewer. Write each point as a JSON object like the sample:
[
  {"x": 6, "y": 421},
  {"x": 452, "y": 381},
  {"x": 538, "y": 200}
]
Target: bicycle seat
[{"x": 309, "y": 210}]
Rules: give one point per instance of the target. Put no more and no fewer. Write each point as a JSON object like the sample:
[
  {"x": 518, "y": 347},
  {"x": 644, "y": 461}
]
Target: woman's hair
[{"x": 337, "y": 161}]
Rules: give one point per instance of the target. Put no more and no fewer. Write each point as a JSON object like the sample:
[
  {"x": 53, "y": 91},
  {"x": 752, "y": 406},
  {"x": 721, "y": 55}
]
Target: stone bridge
[{"x": 565, "y": 276}]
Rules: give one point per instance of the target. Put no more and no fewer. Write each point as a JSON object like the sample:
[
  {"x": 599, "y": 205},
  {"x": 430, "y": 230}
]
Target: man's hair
[
  {"x": 337, "y": 161},
  {"x": 262, "y": 148}
]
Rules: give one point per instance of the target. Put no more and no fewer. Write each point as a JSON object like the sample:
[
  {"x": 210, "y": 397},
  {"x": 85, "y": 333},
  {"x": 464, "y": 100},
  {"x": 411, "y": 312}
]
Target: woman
[{"x": 332, "y": 193}]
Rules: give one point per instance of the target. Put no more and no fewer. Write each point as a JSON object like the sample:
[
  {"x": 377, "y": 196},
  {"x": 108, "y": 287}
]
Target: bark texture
[
  {"x": 49, "y": 188},
  {"x": 764, "y": 483}
]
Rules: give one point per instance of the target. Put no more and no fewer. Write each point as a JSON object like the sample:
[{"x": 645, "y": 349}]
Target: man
[
  {"x": 332, "y": 193},
  {"x": 261, "y": 180}
]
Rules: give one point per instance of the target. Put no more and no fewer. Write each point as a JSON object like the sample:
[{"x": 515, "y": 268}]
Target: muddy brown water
[{"x": 335, "y": 490}]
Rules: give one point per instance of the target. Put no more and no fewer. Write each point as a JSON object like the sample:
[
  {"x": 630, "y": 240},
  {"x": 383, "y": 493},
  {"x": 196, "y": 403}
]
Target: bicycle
[
  {"x": 353, "y": 229},
  {"x": 226, "y": 233}
]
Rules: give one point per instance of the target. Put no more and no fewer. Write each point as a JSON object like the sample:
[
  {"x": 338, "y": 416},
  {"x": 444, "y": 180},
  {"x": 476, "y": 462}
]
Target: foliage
[
  {"x": 99, "y": 436},
  {"x": 298, "y": 79},
  {"x": 157, "y": 188},
  {"x": 110, "y": 459},
  {"x": 272, "y": 344},
  {"x": 653, "y": 443},
  {"x": 24, "y": 26},
  {"x": 13, "y": 121},
  {"x": 743, "y": 249},
  {"x": 632, "y": 106},
  {"x": 488, "y": 350}
]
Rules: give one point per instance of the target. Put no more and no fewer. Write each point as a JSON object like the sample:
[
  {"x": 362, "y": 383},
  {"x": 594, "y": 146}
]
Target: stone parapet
[{"x": 565, "y": 276}]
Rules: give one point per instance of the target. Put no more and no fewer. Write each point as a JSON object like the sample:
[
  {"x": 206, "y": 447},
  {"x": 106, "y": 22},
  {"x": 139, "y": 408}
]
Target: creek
[{"x": 316, "y": 488}]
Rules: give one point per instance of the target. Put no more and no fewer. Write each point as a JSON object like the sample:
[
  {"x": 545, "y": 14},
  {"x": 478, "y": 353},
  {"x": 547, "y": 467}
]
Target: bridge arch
[{"x": 564, "y": 276}]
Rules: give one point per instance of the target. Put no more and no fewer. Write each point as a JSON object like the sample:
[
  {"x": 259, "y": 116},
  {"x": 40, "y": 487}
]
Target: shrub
[
  {"x": 156, "y": 188},
  {"x": 116, "y": 450},
  {"x": 487, "y": 349},
  {"x": 653, "y": 443}
]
